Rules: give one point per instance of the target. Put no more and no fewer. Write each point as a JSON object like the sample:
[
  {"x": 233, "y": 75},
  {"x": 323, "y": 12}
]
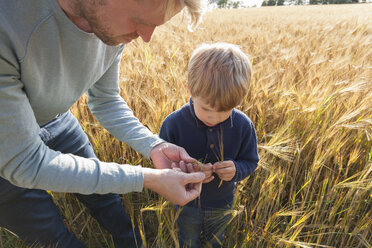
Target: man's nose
[{"x": 146, "y": 33}]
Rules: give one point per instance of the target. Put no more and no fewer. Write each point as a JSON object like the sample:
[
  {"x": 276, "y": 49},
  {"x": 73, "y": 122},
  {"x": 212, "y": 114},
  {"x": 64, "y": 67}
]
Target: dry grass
[{"x": 311, "y": 103}]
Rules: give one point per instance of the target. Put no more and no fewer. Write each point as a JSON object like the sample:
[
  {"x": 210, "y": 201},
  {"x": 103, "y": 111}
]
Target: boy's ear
[{"x": 188, "y": 89}]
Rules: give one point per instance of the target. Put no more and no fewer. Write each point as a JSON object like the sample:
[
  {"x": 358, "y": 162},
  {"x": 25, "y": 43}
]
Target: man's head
[
  {"x": 118, "y": 22},
  {"x": 219, "y": 74}
]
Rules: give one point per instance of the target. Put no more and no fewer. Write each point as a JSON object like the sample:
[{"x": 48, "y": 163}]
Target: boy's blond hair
[{"x": 220, "y": 73}]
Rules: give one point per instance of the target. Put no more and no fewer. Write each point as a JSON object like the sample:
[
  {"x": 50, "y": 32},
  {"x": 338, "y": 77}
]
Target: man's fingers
[
  {"x": 194, "y": 191},
  {"x": 195, "y": 177},
  {"x": 193, "y": 188},
  {"x": 190, "y": 195},
  {"x": 198, "y": 187},
  {"x": 185, "y": 156}
]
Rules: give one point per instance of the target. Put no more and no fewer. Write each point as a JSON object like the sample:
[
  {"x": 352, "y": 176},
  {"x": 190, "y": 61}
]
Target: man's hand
[
  {"x": 225, "y": 170},
  {"x": 171, "y": 184},
  {"x": 164, "y": 154}
]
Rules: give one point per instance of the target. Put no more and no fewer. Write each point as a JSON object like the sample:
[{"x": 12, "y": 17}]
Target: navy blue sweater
[{"x": 183, "y": 128}]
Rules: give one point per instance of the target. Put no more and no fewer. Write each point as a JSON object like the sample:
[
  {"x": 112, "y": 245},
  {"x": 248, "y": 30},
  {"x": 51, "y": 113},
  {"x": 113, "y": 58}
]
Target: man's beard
[
  {"x": 100, "y": 28},
  {"x": 112, "y": 40}
]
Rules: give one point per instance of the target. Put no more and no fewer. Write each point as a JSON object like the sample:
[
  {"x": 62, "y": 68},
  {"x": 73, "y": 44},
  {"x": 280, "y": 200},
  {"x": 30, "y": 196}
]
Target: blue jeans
[
  {"x": 202, "y": 227},
  {"x": 32, "y": 214}
]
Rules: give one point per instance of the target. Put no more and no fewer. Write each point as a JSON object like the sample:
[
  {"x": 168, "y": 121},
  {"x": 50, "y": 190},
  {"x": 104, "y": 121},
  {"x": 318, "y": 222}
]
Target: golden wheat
[{"x": 310, "y": 101}]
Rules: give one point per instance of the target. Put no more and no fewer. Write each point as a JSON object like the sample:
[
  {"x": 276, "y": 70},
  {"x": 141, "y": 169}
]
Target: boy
[{"x": 221, "y": 137}]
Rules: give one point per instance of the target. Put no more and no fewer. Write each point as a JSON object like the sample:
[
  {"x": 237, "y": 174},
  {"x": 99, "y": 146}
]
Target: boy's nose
[{"x": 213, "y": 120}]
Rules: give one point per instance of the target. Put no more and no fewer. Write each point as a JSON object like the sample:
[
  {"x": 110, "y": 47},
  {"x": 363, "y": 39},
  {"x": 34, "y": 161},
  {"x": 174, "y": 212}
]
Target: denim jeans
[
  {"x": 32, "y": 214},
  {"x": 202, "y": 227}
]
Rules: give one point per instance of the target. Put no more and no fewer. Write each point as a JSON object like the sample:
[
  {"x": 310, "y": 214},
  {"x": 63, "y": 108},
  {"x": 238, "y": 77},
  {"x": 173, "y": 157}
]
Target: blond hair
[
  {"x": 220, "y": 73},
  {"x": 194, "y": 10}
]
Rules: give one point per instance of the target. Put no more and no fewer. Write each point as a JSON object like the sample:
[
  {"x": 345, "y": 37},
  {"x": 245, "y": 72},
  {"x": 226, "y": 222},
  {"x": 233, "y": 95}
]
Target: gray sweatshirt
[{"x": 46, "y": 64}]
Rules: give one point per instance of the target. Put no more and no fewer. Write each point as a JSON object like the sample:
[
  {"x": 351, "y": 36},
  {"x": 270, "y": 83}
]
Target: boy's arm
[
  {"x": 248, "y": 158},
  {"x": 244, "y": 168}
]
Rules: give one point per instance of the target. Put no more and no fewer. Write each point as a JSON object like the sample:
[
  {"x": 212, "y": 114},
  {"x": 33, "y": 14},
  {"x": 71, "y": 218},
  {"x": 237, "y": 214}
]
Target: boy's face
[{"x": 208, "y": 115}]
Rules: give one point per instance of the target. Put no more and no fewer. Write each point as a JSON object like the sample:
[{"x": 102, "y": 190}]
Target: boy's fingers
[
  {"x": 195, "y": 167},
  {"x": 221, "y": 165},
  {"x": 224, "y": 170},
  {"x": 209, "y": 179},
  {"x": 208, "y": 166},
  {"x": 174, "y": 165},
  {"x": 190, "y": 168},
  {"x": 183, "y": 166}
]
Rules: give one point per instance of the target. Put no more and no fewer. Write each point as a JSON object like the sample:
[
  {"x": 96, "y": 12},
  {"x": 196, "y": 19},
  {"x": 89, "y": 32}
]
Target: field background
[{"x": 310, "y": 101}]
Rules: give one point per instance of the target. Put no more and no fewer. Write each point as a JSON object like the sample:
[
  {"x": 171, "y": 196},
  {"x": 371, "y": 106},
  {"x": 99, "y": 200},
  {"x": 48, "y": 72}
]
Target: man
[{"x": 51, "y": 52}]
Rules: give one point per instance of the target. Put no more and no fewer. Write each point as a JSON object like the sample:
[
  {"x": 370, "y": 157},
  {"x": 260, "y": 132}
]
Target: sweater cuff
[
  {"x": 138, "y": 185},
  {"x": 237, "y": 176},
  {"x": 155, "y": 142}
]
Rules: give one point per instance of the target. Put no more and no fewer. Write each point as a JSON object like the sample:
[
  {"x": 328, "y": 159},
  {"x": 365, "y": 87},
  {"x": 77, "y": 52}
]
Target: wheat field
[{"x": 311, "y": 104}]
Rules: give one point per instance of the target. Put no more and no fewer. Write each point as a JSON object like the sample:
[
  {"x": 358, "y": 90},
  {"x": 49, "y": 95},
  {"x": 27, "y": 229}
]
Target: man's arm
[
  {"x": 27, "y": 162},
  {"x": 114, "y": 114}
]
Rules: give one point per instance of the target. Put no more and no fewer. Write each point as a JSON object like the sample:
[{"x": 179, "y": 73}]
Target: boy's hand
[
  {"x": 225, "y": 170},
  {"x": 207, "y": 169}
]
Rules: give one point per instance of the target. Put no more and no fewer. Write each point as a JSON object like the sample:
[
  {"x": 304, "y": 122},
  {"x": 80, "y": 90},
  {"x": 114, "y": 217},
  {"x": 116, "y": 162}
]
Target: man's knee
[
  {"x": 52, "y": 236},
  {"x": 33, "y": 216}
]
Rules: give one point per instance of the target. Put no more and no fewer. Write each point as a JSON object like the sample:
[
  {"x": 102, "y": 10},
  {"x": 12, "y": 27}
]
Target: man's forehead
[
  {"x": 150, "y": 12},
  {"x": 156, "y": 12},
  {"x": 154, "y": 6}
]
